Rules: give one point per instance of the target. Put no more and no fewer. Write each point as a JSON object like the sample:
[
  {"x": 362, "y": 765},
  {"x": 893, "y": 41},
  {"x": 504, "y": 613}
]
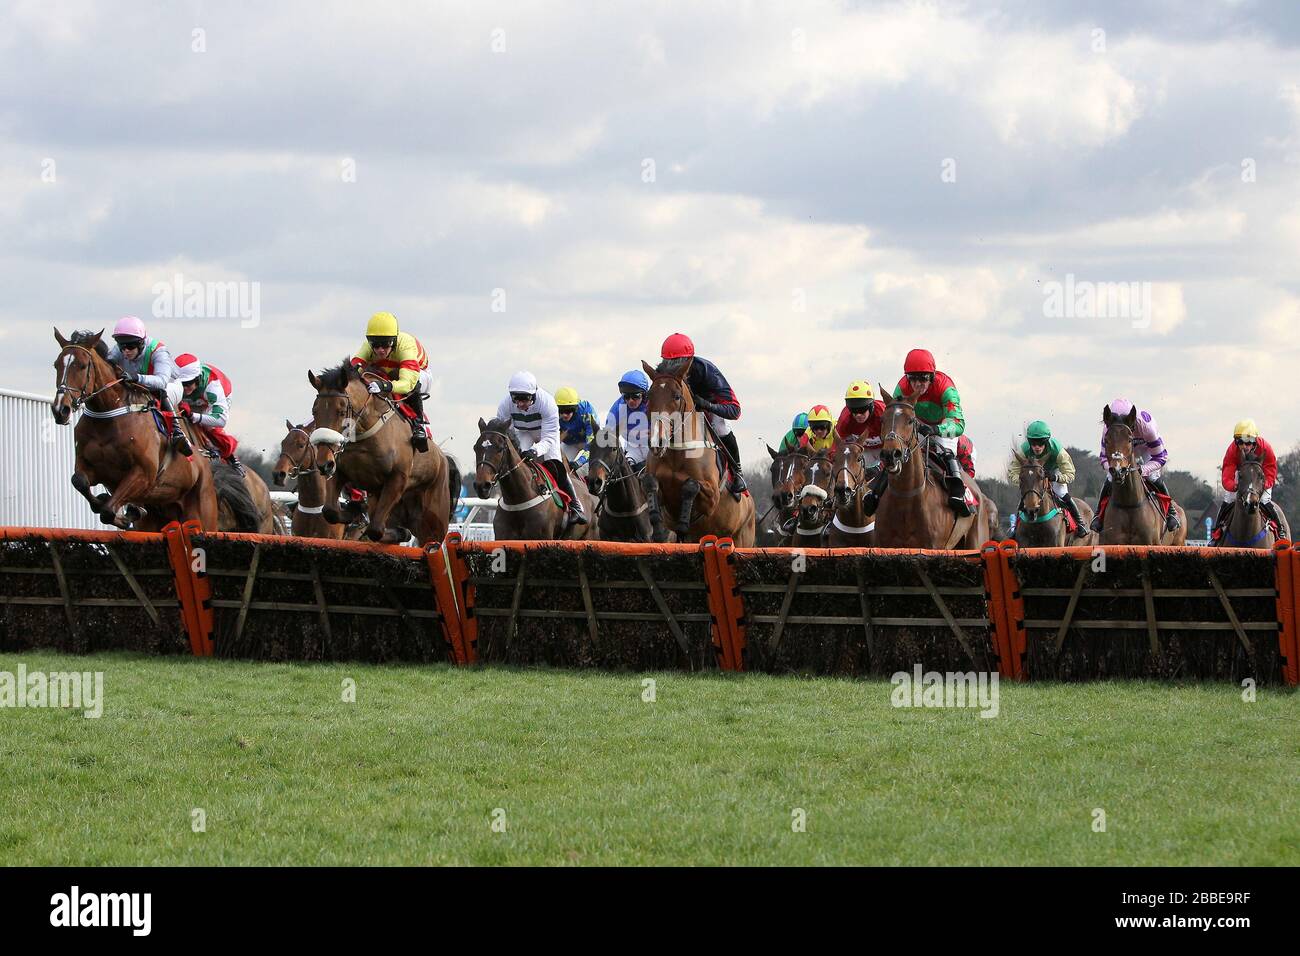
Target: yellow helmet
[
  {"x": 382, "y": 325},
  {"x": 566, "y": 396},
  {"x": 859, "y": 389},
  {"x": 1246, "y": 428},
  {"x": 820, "y": 413}
]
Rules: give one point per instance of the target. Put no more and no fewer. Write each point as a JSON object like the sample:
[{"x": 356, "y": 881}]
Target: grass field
[{"x": 587, "y": 772}]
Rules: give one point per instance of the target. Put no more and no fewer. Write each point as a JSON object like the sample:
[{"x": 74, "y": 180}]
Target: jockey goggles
[
  {"x": 521, "y": 396},
  {"x": 821, "y": 427},
  {"x": 1245, "y": 441},
  {"x": 633, "y": 394},
  {"x": 567, "y": 409},
  {"x": 128, "y": 342},
  {"x": 857, "y": 405},
  {"x": 382, "y": 341}
]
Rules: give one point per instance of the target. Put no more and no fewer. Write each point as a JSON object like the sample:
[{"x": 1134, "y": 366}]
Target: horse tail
[
  {"x": 232, "y": 489},
  {"x": 453, "y": 484}
]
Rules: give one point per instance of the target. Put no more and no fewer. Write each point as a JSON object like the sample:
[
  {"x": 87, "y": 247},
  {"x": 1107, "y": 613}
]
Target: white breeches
[
  {"x": 1230, "y": 496},
  {"x": 721, "y": 426}
]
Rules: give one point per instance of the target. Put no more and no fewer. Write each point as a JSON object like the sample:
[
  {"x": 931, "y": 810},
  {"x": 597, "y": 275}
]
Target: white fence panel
[{"x": 36, "y": 459}]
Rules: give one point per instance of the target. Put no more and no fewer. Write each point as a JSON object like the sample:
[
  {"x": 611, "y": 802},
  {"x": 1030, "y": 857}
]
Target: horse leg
[
  {"x": 135, "y": 482},
  {"x": 389, "y": 495},
  {"x": 690, "y": 488},
  {"x": 82, "y": 483}
]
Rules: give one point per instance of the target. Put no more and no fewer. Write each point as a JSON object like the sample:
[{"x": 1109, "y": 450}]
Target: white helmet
[{"x": 523, "y": 382}]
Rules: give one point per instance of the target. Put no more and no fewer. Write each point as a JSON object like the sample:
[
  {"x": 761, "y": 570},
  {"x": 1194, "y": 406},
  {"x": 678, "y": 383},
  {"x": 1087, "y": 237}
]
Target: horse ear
[
  {"x": 315, "y": 382},
  {"x": 686, "y": 367},
  {"x": 1106, "y": 416},
  {"x": 649, "y": 369},
  {"x": 288, "y": 424},
  {"x": 771, "y": 451},
  {"x": 482, "y": 425},
  {"x": 94, "y": 339},
  {"x": 885, "y": 394},
  {"x": 1132, "y": 417},
  {"x": 58, "y": 337}
]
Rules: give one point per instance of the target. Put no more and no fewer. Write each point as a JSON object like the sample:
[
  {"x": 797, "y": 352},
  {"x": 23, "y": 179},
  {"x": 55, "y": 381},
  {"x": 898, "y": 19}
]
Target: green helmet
[
  {"x": 1038, "y": 431},
  {"x": 800, "y": 423}
]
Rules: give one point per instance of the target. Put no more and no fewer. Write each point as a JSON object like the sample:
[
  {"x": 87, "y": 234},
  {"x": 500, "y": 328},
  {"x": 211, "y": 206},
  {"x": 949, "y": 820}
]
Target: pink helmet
[
  {"x": 1120, "y": 407},
  {"x": 130, "y": 325}
]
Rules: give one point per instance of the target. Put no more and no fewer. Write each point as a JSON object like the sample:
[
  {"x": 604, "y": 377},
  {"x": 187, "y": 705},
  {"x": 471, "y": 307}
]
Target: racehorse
[
  {"x": 315, "y": 494},
  {"x": 815, "y": 504},
  {"x": 622, "y": 502},
  {"x": 850, "y": 527},
  {"x": 527, "y": 509},
  {"x": 914, "y": 511},
  {"x": 243, "y": 501},
  {"x": 365, "y": 440},
  {"x": 1247, "y": 526},
  {"x": 119, "y": 445},
  {"x": 789, "y": 469},
  {"x": 1040, "y": 521},
  {"x": 1133, "y": 514},
  {"x": 684, "y": 462}
]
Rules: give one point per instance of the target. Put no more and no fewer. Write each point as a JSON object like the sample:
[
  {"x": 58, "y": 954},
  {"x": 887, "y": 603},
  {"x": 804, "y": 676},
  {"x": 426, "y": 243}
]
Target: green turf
[{"x": 588, "y": 773}]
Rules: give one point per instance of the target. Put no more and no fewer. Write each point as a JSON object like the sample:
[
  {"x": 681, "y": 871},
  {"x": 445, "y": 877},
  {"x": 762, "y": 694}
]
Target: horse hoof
[
  {"x": 107, "y": 517},
  {"x": 375, "y": 534}
]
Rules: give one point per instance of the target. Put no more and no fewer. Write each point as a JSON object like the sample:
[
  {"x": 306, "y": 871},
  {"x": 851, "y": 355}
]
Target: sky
[{"x": 808, "y": 190}]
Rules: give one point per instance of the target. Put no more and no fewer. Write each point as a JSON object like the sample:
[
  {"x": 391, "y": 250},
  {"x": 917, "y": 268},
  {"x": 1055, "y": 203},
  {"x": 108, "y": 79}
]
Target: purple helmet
[{"x": 1120, "y": 407}]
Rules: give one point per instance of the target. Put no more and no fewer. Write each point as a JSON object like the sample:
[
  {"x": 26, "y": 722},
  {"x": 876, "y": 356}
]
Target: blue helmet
[
  {"x": 800, "y": 423},
  {"x": 634, "y": 381}
]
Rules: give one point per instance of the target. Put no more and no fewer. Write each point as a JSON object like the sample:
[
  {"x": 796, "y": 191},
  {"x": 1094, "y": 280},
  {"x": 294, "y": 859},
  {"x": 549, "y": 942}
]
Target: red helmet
[
  {"x": 676, "y": 346},
  {"x": 917, "y": 361}
]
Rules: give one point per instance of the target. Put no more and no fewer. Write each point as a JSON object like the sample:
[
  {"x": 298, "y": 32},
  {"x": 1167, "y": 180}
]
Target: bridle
[
  {"x": 297, "y": 468},
  {"x": 678, "y": 413},
  {"x": 483, "y": 462},
  {"x": 825, "y": 506},
  {"x": 1120, "y": 465},
  {"x": 1033, "y": 468},
  {"x": 786, "y": 475},
  {"x": 851, "y": 481},
  {"x": 910, "y": 445},
  {"x": 615, "y": 476}
]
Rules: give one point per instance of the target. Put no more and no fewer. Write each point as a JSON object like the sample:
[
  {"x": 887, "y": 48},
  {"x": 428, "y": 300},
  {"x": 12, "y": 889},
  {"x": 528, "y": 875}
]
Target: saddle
[
  {"x": 722, "y": 459},
  {"x": 543, "y": 474},
  {"x": 1163, "y": 502}
]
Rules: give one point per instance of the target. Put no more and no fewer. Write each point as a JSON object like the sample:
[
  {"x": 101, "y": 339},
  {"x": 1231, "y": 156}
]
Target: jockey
[
  {"x": 714, "y": 397},
  {"x": 578, "y": 426},
  {"x": 1246, "y": 439},
  {"x": 146, "y": 362},
  {"x": 627, "y": 418},
  {"x": 206, "y": 404},
  {"x": 1148, "y": 448},
  {"x": 820, "y": 435},
  {"x": 794, "y": 437},
  {"x": 401, "y": 359},
  {"x": 860, "y": 419},
  {"x": 939, "y": 408},
  {"x": 535, "y": 423},
  {"x": 1040, "y": 446}
]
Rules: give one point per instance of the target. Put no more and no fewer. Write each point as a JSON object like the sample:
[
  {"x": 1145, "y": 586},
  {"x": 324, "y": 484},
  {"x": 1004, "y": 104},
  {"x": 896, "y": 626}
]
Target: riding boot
[
  {"x": 875, "y": 488},
  {"x": 234, "y": 462},
  {"x": 651, "y": 487},
  {"x": 177, "y": 438},
  {"x": 415, "y": 401},
  {"x": 1101, "y": 506},
  {"x": 560, "y": 471},
  {"x": 1171, "y": 520},
  {"x": 1225, "y": 509},
  {"x": 954, "y": 484},
  {"x": 737, "y": 487},
  {"x": 1079, "y": 530},
  {"x": 1270, "y": 512}
]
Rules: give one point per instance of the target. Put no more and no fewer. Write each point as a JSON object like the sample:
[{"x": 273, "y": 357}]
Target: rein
[{"x": 82, "y": 396}]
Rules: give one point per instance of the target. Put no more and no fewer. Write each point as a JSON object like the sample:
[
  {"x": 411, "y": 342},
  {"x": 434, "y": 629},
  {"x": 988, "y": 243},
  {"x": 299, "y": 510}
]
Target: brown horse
[
  {"x": 850, "y": 527},
  {"x": 789, "y": 471},
  {"x": 684, "y": 462},
  {"x": 243, "y": 501},
  {"x": 298, "y": 461},
  {"x": 815, "y": 504},
  {"x": 627, "y": 509},
  {"x": 1247, "y": 525},
  {"x": 1040, "y": 522},
  {"x": 1132, "y": 515},
  {"x": 365, "y": 440},
  {"x": 914, "y": 510},
  {"x": 526, "y": 509},
  {"x": 119, "y": 446}
]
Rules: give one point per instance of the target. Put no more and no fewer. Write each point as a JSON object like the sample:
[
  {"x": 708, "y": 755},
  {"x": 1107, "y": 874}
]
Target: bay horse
[
  {"x": 1247, "y": 525},
  {"x": 1040, "y": 521},
  {"x": 684, "y": 461},
  {"x": 1132, "y": 515},
  {"x": 789, "y": 471},
  {"x": 815, "y": 504},
  {"x": 914, "y": 512},
  {"x": 119, "y": 446},
  {"x": 298, "y": 461},
  {"x": 364, "y": 440},
  {"x": 526, "y": 510},
  {"x": 243, "y": 501},
  {"x": 622, "y": 501},
  {"x": 850, "y": 526}
]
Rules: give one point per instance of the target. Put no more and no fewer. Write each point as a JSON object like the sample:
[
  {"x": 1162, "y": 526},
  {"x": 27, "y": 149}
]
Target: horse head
[
  {"x": 788, "y": 472},
  {"x": 1118, "y": 442},
  {"x": 1035, "y": 489},
  {"x": 341, "y": 397},
  {"x": 606, "y": 460},
  {"x": 496, "y": 455},
  {"x": 669, "y": 402},
  {"x": 899, "y": 432},
  {"x": 850, "y": 471},
  {"x": 1250, "y": 482},
  {"x": 815, "y": 493},
  {"x": 297, "y": 453},
  {"x": 78, "y": 375}
]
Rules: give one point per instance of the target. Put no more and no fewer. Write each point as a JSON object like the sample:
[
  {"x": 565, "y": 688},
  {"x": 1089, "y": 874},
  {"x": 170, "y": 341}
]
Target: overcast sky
[{"x": 807, "y": 190}]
